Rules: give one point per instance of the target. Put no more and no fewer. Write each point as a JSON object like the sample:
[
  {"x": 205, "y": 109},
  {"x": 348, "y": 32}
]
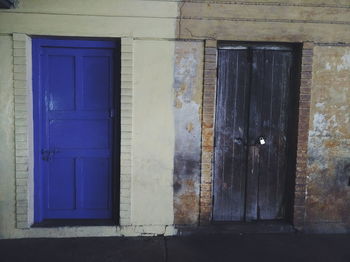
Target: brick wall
[
  {"x": 126, "y": 129},
  {"x": 210, "y": 57},
  {"x": 303, "y": 131},
  {"x": 22, "y": 91}
]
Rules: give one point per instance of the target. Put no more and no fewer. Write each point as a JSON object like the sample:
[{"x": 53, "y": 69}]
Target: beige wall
[
  {"x": 153, "y": 136},
  {"x": 118, "y": 18},
  {"x": 152, "y": 118},
  {"x": 7, "y": 153}
]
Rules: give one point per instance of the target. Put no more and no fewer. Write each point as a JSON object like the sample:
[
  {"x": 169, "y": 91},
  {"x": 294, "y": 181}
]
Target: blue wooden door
[{"x": 73, "y": 116}]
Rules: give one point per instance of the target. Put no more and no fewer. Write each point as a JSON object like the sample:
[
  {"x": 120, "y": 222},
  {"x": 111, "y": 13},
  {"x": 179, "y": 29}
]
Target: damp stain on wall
[
  {"x": 187, "y": 110},
  {"x": 328, "y": 184}
]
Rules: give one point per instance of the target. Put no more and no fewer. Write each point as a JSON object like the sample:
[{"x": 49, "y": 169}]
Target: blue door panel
[
  {"x": 61, "y": 86},
  {"x": 97, "y": 78},
  {"x": 61, "y": 185},
  {"x": 95, "y": 178},
  {"x": 79, "y": 134},
  {"x": 74, "y": 97}
]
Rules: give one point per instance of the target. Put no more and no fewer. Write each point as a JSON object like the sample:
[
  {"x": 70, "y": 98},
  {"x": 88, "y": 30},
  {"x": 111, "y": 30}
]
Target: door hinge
[{"x": 111, "y": 112}]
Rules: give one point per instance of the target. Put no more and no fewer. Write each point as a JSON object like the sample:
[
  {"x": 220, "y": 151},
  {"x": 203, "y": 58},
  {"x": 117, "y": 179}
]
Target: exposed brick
[
  {"x": 209, "y": 87},
  {"x": 209, "y": 80},
  {"x": 304, "y": 111},
  {"x": 211, "y": 43},
  {"x": 308, "y": 45},
  {"x": 307, "y": 68},
  {"x": 209, "y": 73},
  {"x": 209, "y": 94},
  {"x": 209, "y": 109},
  {"x": 304, "y": 104},
  {"x": 306, "y": 75},
  {"x": 300, "y": 188},
  {"x": 210, "y": 64},
  {"x": 210, "y": 51},
  {"x": 207, "y": 130},
  {"x": 210, "y": 58},
  {"x": 305, "y": 97},
  {"x": 305, "y": 90},
  {"x": 306, "y": 60},
  {"x": 307, "y": 52}
]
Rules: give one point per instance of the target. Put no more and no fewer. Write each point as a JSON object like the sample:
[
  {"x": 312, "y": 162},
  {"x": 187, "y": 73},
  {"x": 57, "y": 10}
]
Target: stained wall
[
  {"x": 188, "y": 86},
  {"x": 328, "y": 182},
  {"x": 322, "y": 184}
]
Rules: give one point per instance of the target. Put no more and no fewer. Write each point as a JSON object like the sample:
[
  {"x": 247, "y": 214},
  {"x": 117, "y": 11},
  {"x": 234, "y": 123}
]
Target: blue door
[{"x": 74, "y": 94}]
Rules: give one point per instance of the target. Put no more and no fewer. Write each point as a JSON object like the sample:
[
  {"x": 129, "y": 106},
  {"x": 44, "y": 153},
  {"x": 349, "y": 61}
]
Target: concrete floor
[{"x": 210, "y": 247}]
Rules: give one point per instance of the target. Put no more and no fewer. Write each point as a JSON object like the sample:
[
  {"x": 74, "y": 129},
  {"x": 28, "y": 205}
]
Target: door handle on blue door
[{"x": 48, "y": 154}]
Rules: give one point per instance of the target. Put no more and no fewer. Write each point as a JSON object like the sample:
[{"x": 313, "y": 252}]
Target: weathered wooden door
[{"x": 253, "y": 141}]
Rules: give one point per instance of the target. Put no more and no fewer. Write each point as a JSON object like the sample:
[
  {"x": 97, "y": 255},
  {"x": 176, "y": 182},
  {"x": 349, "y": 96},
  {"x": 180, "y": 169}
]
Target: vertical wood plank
[{"x": 229, "y": 173}]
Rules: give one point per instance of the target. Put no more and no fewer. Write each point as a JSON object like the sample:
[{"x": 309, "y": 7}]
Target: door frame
[
  {"x": 37, "y": 43},
  {"x": 303, "y": 85}
]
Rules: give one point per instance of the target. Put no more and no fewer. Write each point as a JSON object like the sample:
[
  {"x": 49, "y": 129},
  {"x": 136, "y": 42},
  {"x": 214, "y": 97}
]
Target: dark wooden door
[{"x": 252, "y": 142}]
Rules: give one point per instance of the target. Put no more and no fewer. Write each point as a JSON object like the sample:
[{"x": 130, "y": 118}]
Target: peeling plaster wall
[
  {"x": 328, "y": 184},
  {"x": 323, "y": 23},
  {"x": 188, "y": 81}
]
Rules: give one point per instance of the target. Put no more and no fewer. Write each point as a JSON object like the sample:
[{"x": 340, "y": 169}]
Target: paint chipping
[
  {"x": 189, "y": 127},
  {"x": 345, "y": 65},
  {"x": 187, "y": 110},
  {"x": 328, "y": 192}
]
